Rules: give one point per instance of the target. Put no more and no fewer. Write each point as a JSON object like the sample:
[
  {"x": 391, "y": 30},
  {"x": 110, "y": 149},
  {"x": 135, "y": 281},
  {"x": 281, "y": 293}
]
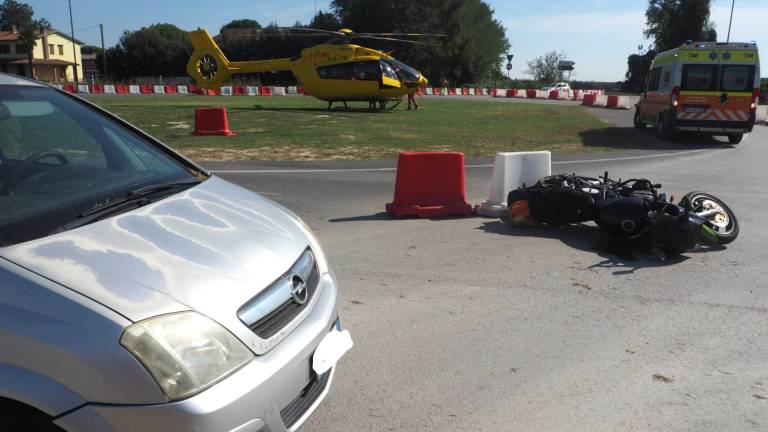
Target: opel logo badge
[{"x": 298, "y": 290}]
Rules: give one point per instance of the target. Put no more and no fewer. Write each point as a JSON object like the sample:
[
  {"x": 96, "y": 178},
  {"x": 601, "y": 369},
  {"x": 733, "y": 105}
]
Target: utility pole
[
  {"x": 733, "y": 3},
  {"x": 103, "y": 52},
  {"x": 74, "y": 45}
]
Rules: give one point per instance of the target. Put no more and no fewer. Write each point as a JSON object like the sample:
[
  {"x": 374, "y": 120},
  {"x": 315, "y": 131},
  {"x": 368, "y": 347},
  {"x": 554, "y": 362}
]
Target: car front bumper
[{"x": 272, "y": 390}]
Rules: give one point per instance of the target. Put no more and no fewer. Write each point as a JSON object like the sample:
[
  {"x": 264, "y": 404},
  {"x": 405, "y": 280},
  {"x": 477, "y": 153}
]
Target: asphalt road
[{"x": 467, "y": 324}]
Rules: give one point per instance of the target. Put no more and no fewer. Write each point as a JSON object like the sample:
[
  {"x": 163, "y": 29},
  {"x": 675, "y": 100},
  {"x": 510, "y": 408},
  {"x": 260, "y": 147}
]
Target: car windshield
[{"x": 60, "y": 159}]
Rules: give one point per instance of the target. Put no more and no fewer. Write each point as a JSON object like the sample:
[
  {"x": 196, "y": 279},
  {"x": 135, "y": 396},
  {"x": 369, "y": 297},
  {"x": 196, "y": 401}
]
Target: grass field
[{"x": 300, "y": 128}]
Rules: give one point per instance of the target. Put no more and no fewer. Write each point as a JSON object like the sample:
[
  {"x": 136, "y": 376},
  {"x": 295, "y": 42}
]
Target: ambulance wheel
[
  {"x": 735, "y": 139},
  {"x": 638, "y": 123},
  {"x": 664, "y": 128}
]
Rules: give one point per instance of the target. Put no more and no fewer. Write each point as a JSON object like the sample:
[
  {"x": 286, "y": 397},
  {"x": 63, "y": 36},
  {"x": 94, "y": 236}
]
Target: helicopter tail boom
[{"x": 210, "y": 67}]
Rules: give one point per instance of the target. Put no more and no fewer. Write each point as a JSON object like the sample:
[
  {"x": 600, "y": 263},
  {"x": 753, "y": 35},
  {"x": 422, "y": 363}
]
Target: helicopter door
[
  {"x": 366, "y": 78},
  {"x": 389, "y": 78}
]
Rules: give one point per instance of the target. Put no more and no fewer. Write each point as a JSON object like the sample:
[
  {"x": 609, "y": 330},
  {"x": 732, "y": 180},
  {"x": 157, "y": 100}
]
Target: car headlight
[{"x": 185, "y": 352}]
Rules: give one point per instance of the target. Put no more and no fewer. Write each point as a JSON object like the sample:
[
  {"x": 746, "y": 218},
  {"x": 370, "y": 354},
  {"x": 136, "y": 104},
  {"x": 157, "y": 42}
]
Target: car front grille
[
  {"x": 277, "y": 306},
  {"x": 268, "y": 326},
  {"x": 309, "y": 395}
]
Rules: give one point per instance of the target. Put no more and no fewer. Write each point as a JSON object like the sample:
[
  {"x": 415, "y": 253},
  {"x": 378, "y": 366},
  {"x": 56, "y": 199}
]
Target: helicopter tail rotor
[{"x": 207, "y": 65}]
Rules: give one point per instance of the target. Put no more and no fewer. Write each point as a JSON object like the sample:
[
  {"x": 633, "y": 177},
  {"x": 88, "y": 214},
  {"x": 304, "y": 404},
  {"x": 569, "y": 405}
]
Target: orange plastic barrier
[
  {"x": 530, "y": 94},
  {"x": 553, "y": 94},
  {"x": 265, "y": 91},
  {"x": 121, "y": 89},
  {"x": 239, "y": 91},
  {"x": 511, "y": 93},
  {"x": 212, "y": 121},
  {"x": 69, "y": 88},
  {"x": 170, "y": 89},
  {"x": 613, "y": 102},
  {"x": 430, "y": 185},
  {"x": 97, "y": 89}
]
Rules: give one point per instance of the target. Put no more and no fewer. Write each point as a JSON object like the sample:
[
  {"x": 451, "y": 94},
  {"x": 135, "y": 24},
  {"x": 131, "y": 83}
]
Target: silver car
[{"x": 140, "y": 293}]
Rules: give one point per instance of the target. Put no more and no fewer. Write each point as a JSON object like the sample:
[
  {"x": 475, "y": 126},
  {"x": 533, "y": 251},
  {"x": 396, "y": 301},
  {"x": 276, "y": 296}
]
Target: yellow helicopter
[{"x": 334, "y": 71}]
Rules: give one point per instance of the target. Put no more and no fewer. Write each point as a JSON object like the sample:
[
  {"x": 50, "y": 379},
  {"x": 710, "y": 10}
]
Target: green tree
[
  {"x": 325, "y": 21},
  {"x": 669, "y": 24},
  {"x": 157, "y": 50},
  {"x": 472, "y": 49},
  {"x": 21, "y": 16},
  {"x": 240, "y": 24},
  {"x": 545, "y": 69}
]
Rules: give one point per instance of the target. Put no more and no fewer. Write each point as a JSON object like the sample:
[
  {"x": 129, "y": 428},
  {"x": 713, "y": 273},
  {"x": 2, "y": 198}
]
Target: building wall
[{"x": 65, "y": 53}]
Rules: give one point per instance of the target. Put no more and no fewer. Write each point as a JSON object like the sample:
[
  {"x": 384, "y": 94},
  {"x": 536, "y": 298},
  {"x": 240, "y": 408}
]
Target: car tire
[
  {"x": 664, "y": 128},
  {"x": 735, "y": 138},
  {"x": 638, "y": 121},
  {"x": 18, "y": 417}
]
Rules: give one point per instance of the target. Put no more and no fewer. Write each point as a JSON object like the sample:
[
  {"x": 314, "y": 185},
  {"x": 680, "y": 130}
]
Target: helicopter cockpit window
[
  {"x": 341, "y": 71},
  {"x": 389, "y": 71},
  {"x": 405, "y": 72},
  {"x": 367, "y": 71}
]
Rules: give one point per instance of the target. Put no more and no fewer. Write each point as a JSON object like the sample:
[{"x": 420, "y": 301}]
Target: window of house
[
  {"x": 5, "y": 49},
  {"x": 61, "y": 49},
  {"x": 51, "y": 49},
  {"x": 21, "y": 49}
]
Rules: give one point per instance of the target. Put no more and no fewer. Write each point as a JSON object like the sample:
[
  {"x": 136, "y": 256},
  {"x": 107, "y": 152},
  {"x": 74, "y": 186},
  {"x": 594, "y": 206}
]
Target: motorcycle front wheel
[{"x": 719, "y": 216}]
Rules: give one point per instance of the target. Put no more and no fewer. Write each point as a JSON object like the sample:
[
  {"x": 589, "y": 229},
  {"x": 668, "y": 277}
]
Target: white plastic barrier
[
  {"x": 158, "y": 89},
  {"x": 522, "y": 93},
  {"x": 624, "y": 103},
  {"x": 542, "y": 94},
  {"x": 601, "y": 101},
  {"x": 429, "y": 91},
  {"x": 226, "y": 91},
  {"x": 457, "y": 91},
  {"x": 512, "y": 171},
  {"x": 57, "y": 86},
  {"x": 485, "y": 92},
  {"x": 134, "y": 89},
  {"x": 762, "y": 114},
  {"x": 501, "y": 93},
  {"x": 293, "y": 90},
  {"x": 278, "y": 91},
  {"x": 83, "y": 88},
  {"x": 182, "y": 89},
  {"x": 109, "y": 89},
  {"x": 252, "y": 91}
]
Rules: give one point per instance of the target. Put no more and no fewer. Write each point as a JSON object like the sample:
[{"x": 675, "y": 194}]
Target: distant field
[{"x": 300, "y": 128}]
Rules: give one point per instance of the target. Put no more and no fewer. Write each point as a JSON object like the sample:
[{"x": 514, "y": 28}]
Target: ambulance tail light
[
  {"x": 676, "y": 97},
  {"x": 755, "y": 98}
]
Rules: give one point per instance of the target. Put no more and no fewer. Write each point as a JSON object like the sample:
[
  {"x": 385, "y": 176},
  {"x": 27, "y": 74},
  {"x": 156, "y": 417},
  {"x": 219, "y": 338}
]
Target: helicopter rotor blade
[
  {"x": 391, "y": 40},
  {"x": 399, "y": 35}
]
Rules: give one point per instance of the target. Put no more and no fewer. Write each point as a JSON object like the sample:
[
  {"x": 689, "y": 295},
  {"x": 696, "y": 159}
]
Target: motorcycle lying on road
[{"x": 629, "y": 209}]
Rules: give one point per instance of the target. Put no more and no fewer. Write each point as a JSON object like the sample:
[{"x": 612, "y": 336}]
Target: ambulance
[{"x": 706, "y": 87}]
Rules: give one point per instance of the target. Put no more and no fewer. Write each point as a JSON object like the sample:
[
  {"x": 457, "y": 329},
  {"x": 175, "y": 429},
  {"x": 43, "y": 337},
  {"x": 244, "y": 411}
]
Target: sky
[{"x": 597, "y": 35}]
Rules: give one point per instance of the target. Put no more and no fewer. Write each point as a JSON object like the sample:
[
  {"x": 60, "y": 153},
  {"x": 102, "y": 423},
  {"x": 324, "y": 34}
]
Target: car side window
[{"x": 654, "y": 78}]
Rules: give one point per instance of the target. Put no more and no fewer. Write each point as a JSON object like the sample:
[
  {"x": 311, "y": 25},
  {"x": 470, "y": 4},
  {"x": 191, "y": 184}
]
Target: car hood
[{"x": 210, "y": 248}]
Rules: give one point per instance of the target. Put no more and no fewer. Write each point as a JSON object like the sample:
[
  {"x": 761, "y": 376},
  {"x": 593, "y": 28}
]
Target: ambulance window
[
  {"x": 737, "y": 78},
  {"x": 338, "y": 71},
  {"x": 654, "y": 78},
  {"x": 699, "y": 77},
  {"x": 367, "y": 71}
]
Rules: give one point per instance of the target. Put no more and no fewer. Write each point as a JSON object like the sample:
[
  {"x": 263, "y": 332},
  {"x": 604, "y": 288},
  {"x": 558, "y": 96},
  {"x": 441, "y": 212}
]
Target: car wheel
[
  {"x": 638, "y": 122},
  {"x": 18, "y": 417},
  {"x": 735, "y": 138}
]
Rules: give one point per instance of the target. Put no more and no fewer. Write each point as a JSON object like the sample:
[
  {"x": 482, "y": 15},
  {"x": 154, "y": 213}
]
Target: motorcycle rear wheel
[{"x": 720, "y": 217}]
